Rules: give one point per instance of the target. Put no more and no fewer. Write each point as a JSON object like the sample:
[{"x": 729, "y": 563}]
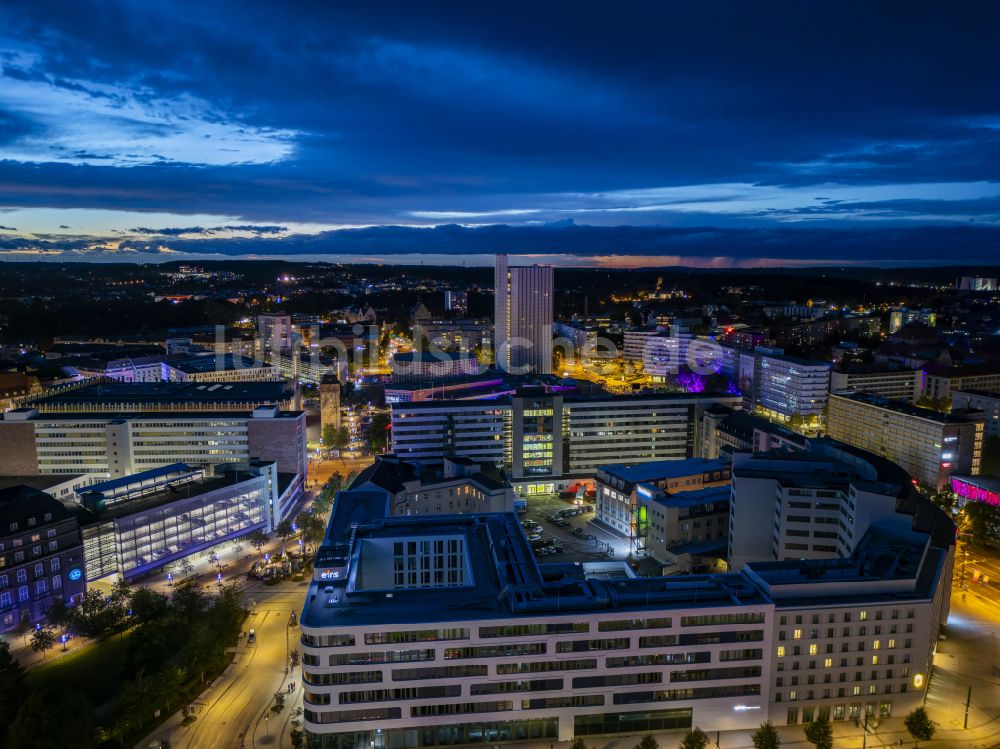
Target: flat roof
[
  {"x": 171, "y": 392},
  {"x": 664, "y": 469},
  {"x": 215, "y": 363},
  {"x": 126, "y": 415},
  {"x": 901, "y": 407},
  {"x": 708, "y": 495}
]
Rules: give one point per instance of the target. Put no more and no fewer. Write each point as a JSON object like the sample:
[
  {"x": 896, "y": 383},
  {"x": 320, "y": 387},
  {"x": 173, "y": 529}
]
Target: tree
[
  {"x": 297, "y": 738},
  {"x": 578, "y": 743},
  {"x": 24, "y": 627},
  {"x": 279, "y": 702},
  {"x": 984, "y": 522},
  {"x": 766, "y": 737},
  {"x": 185, "y": 566},
  {"x": 819, "y": 733},
  {"x": 236, "y": 546},
  {"x": 42, "y": 639},
  {"x": 920, "y": 725},
  {"x": 284, "y": 529},
  {"x": 257, "y": 540},
  {"x": 312, "y": 527},
  {"x": 694, "y": 739},
  {"x": 378, "y": 432},
  {"x": 647, "y": 742},
  {"x": 295, "y": 658},
  {"x": 342, "y": 437},
  {"x": 148, "y": 605},
  {"x": 35, "y": 728},
  {"x": 13, "y": 686},
  {"x": 329, "y": 435}
]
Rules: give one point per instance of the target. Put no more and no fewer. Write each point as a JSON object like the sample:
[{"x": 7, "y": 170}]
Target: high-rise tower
[{"x": 523, "y": 318}]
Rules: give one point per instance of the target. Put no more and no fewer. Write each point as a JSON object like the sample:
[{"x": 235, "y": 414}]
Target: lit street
[{"x": 235, "y": 711}]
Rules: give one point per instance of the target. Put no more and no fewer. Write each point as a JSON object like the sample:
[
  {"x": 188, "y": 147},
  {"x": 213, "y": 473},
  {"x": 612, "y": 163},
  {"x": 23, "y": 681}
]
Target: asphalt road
[{"x": 235, "y": 711}]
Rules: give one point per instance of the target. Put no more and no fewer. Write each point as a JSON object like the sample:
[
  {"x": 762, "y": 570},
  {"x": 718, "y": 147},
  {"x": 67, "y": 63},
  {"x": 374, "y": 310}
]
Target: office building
[
  {"x": 119, "y": 444},
  {"x": 427, "y": 366},
  {"x": 440, "y": 630},
  {"x": 670, "y": 510},
  {"x": 139, "y": 524},
  {"x": 41, "y": 556},
  {"x": 780, "y": 387},
  {"x": 895, "y": 384},
  {"x": 978, "y": 400},
  {"x": 522, "y": 318},
  {"x": 928, "y": 444},
  {"x": 547, "y": 440},
  {"x": 456, "y": 302}
]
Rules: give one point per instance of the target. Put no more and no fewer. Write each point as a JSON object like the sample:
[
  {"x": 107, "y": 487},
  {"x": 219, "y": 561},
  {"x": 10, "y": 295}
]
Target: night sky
[{"x": 580, "y": 133}]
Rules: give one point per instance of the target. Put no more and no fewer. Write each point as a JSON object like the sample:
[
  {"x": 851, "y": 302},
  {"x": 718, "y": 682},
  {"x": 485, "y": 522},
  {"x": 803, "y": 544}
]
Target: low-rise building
[{"x": 941, "y": 381}]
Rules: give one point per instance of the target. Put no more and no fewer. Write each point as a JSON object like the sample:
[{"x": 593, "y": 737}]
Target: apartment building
[
  {"x": 120, "y": 444},
  {"x": 433, "y": 631},
  {"x": 928, "y": 444},
  {"x": 41, "y": 557},
  {"x": 895, "y": 384}
]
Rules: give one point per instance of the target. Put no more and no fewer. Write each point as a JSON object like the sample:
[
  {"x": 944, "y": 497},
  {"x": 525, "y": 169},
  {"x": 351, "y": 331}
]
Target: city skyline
[{"x": 651, "y": 136}]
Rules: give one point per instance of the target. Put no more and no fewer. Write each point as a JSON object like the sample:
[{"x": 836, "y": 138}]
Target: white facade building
[{"x": 522, "y": 318}]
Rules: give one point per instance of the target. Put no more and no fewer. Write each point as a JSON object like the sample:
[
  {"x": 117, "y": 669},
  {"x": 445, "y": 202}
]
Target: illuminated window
[
  {"x": 781, "y": 651},
  {"x": 827, "y": 662},
  {"x": 797, "y": 634},
  {"x": 874, "y": 660},
  {"x": 812, "y": 649},
  {"x": 876, "y": 645},
  {"x": 891, "y": 644},
  {"x": 863, "y": 616}
]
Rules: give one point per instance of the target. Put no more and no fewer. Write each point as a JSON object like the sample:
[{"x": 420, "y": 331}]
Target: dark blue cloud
[{"x": 348, "y": 114}]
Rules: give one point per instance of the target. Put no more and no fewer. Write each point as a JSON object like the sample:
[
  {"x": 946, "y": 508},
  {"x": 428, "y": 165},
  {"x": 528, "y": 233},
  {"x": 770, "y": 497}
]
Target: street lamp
[{"x": 170, "y": 579}]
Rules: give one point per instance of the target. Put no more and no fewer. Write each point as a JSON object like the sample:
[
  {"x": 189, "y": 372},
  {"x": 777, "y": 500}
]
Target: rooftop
[
  {"x": 902, "y": 407},
  {"x": 170, "y": 392},
  {"x": 213, "y": 363},
  {"x": 665, "y": 469}
]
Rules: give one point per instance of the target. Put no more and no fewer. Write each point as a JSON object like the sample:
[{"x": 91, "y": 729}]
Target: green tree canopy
[
  {"x": 766, "y": 737},
  {"x": 920, "y": 725},
  {"x": 694, "y": 739},
  {"x": 819, "y": 733}
]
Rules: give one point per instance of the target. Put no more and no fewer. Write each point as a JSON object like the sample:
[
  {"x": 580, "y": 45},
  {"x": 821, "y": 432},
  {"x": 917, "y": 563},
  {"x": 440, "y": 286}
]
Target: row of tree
[
  {"x": 174, "y": 644},
  {"x": 819, "y": 733}
]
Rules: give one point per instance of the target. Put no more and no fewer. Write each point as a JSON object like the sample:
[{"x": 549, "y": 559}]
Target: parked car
[{"x": 252, "y": 637}]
